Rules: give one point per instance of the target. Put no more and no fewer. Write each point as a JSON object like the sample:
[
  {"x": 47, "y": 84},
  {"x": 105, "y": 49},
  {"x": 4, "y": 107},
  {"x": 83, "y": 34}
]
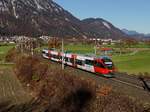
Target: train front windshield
[{"x": 108, "y": 63}]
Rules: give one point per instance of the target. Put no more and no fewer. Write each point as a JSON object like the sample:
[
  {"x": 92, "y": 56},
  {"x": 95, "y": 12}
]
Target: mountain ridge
[
  {"x": 38, "y": 17},
  {"x": 102, "y": 28},
  {"x": 134, "y": 33}
]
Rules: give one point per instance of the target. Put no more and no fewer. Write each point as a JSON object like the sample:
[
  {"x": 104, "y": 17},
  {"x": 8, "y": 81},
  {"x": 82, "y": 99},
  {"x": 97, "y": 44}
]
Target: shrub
[
  {"x": 62, "y": 91},
  {"x": 145, "y": 75},
  {"x": 115, "y": 102},
  {"x": 66, "y": 93},
  {"x": 104, "y": 90},
  {"x": 30, "y": 68}
]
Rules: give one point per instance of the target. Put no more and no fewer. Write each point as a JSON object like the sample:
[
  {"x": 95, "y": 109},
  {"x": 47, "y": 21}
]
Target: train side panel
[{"x": 91, "y": 64}]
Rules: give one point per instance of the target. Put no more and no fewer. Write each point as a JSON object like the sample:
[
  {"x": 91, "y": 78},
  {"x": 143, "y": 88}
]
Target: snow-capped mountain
[
  {"x": 45, "y": 17},
  {"x": 36, "y": 17}
]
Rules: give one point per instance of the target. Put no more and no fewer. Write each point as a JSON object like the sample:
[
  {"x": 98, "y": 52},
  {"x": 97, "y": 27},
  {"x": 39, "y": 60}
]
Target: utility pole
[
  {"x": 63, "y": 54},
  {"x": 21, "y": 45},
  {"x": 95, "y": 46},
  {"x": 32, "y": 45}
]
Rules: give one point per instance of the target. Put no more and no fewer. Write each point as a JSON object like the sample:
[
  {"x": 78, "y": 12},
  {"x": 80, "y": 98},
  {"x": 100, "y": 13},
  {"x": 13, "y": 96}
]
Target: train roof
[
  {"x": 86, "y": 56},
  {"x": 104, "y": 57}
]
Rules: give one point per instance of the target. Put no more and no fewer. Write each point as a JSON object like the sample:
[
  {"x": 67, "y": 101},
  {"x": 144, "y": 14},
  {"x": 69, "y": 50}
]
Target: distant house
[
  {"x": 12, "y": 42},
  {"x": 46, "y": 38},
  {"x": 106, "y": 51},
  {"x": 104, "y": 41}
]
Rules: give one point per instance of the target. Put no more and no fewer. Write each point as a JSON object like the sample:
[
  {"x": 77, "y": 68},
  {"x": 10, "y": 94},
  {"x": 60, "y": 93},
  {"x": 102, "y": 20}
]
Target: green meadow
[
  {"x": 139, "y": 62},
  {"x": 4, "y": 48},
  {"x": 79, "y": 48},
  {"x": 132, "y": 64}
]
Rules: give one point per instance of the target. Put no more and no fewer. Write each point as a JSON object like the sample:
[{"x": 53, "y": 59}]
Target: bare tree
[
  {"x": 54, "y": 43},
  {"x": 130, "y": 42},
  {"x": 120, "y": 45},
  {"x": 25, "y": 44}
]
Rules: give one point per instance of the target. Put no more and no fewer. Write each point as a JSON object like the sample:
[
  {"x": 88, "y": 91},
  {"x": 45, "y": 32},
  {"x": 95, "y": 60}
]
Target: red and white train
[{"x": 102, "y": 65}]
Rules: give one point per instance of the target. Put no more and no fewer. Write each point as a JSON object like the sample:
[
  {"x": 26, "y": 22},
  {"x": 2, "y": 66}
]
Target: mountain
[
  {"x": 130, "y": 32},
  {"x": 133, "y": 33},
  {"x": 45, "y": 17},
  {"x": 36, "y": 17},
  {"x": 101, "y": 28}
]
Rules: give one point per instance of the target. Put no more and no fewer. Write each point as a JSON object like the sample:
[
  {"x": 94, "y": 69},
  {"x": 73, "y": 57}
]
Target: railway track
[
  {"x": 125, "y": 79},
  {"x": 122, "y": 83},
  {"x": 127, "y": 83},
  {"x": 129, "y": 86},
  {"x": 132, "y": 81}
]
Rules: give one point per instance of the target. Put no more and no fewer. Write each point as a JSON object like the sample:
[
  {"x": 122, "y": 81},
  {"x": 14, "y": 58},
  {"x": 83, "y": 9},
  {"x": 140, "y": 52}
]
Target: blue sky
[{"x": 129, "y": 14}]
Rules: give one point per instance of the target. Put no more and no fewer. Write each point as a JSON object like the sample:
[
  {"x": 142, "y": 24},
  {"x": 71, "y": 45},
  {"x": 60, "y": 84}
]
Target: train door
[
  {"x": 54, "y": 56},
  {"x": 80, "y": 62},
  {"x": 73, "y": 60},
  {"x": 89, "y": 65},
  {"x": 49, "y": 54},
  {"x": 68, "y": 59}
]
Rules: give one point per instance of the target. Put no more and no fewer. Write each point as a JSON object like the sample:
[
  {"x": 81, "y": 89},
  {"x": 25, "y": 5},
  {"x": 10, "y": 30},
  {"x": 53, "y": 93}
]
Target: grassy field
[
  {"x": 79, "y": 48},
  {"x": 139, "y": 62},
  {"x": 136, "y": 63},
  {"x": 4, "y": 49}
]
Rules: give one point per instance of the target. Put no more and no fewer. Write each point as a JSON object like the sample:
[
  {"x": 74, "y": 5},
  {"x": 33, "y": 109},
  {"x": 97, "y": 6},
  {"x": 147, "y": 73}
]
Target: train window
[
  {"x": 79, "y": 62},
  {"x": 66, "y": 59},
  {"x": 98, "y": 64},
  {"x": 47, "y": 54},
  {"x": 60, "y": 57},
  {"x": 89, "y": 62},
  {"x": 108, "y": 63},
  {"x": 55, "y": 56},
  {"x": 110, "y": 67},
  {"x": 43, "y": 52},
  {"x": 106, "y": 60}
]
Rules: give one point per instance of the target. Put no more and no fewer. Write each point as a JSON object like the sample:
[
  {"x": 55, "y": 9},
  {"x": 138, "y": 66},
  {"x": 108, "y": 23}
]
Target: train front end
[{"x": 105, "y": 67}]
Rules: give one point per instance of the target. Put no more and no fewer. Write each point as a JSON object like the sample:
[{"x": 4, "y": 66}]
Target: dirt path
[{"x": 11, "y": 89}]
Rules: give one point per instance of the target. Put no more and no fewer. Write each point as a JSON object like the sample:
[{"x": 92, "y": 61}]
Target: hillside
[
  {"x": 101, "y": 28},
  {"x": 38, "y": 17}
]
